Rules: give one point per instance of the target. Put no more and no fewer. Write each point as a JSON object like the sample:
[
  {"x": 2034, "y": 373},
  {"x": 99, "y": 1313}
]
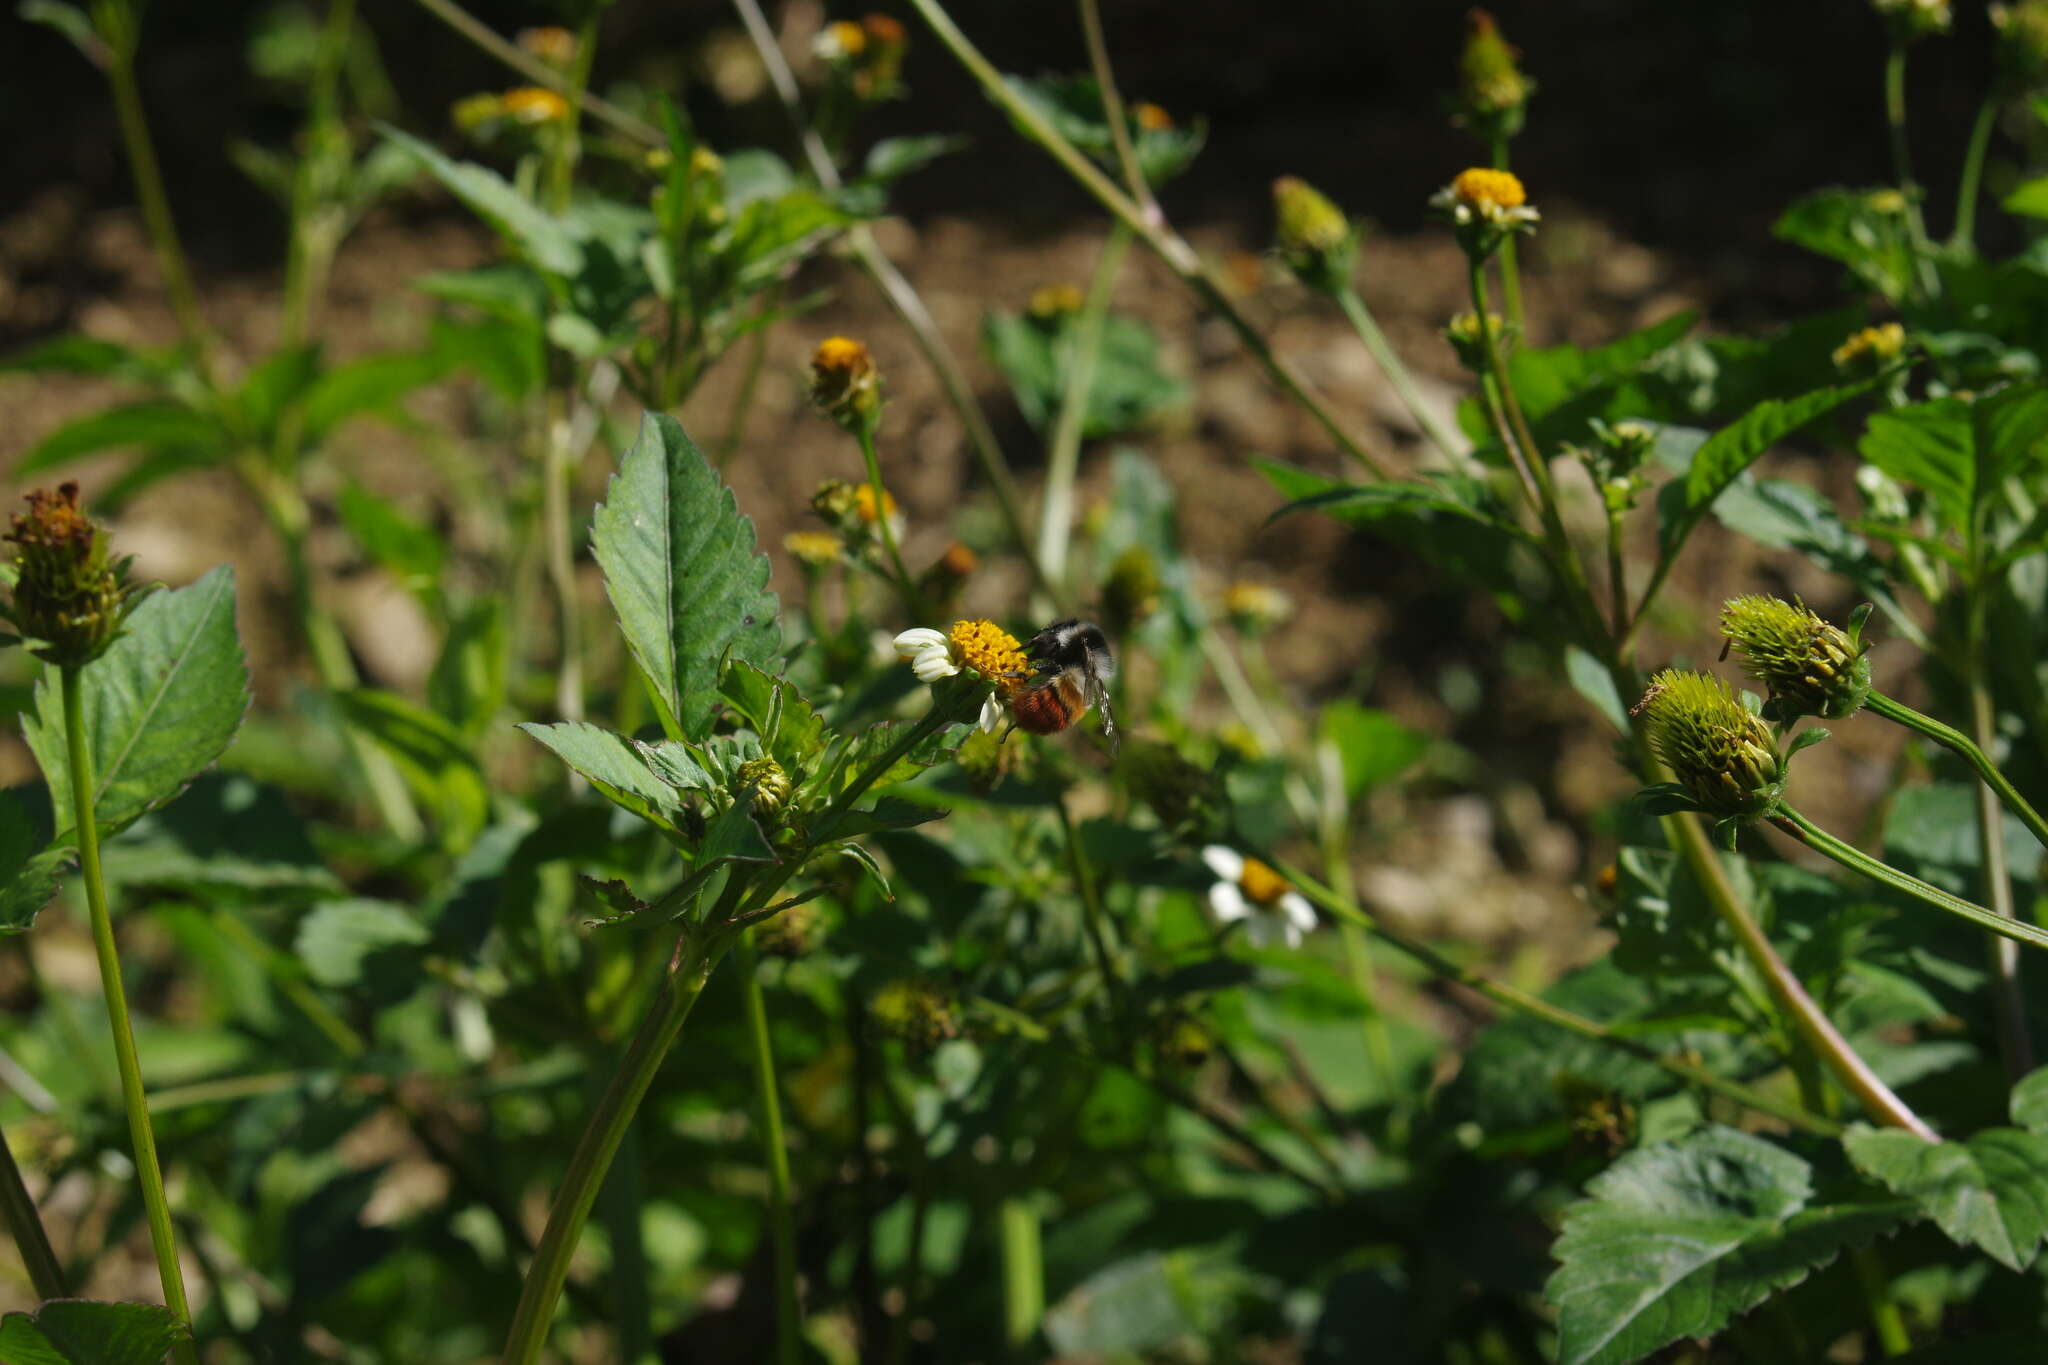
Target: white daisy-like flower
[
  {"x": 1246, "y": 889},
  {"x": 929, "y": 653}
]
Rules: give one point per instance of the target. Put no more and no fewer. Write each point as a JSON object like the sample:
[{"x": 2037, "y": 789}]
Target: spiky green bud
[
  {"x": 1312, "y": 235},
  {"x": 769, "y": 784},
  {"x": 1721, "y": 753},
  {"x": 1491, "y": 87},
  {"x": 70, "y": 595},
  {"x": 1811, "y": 667}
]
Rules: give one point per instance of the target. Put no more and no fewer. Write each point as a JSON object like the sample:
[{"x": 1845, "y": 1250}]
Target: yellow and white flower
[
  {"x": 1482, "y": 195},
  {"x": 1272, "y": 910},
  {"x": 928, "y": 652},
  {"x": 982, "y": 648}
]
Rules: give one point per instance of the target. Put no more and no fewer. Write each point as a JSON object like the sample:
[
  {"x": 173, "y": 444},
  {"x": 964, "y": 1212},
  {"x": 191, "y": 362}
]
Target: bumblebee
[{"x": 1070, "y": 667}]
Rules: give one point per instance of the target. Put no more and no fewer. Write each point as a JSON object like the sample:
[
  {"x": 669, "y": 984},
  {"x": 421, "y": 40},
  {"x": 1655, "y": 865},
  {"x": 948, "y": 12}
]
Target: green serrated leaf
[
  {"x": 152, "y": 424},
  {"x": 340, "y": 940},
  {"x": 671, "y": 761},
  {"x": 1737, "y": 446},
  {"x": 611, "y": 763},
  {"x": 791, "y": 731},
  {"x": 226, "y": 832},
  {"x": 1959, "y": 450},
  {"x": 87, "y": 1332},
  {"x": 733, "y": 836},
  {"x": 2029, "y": 1104},
  {"x": 31, "y": 868},
  {"x": 1989, "y": 1191},
  {"x": 682, "y": 572},
  {"x": 160, "y": 705},
  {"x": 1675, "y": 1240}
]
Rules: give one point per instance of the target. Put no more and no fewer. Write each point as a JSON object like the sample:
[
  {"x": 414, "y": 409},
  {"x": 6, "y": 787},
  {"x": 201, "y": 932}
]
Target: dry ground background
[{"x": 1664, "y": 140}]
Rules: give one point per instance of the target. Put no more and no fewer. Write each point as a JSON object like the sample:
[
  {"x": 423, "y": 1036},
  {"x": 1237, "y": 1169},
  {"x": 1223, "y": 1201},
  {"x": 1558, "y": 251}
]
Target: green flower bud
[
  {"x": 790, "y": 934},
  {"x": 916, "y": 1013},
  {"x": 70, "y": 595},
  {"x": 1811, "y": 667},
  {"x": 1131, "y": 593},
  {"x": 1721, "y": 753},
  {"x": 1180, "y": 1042},
  {"x": 769, "y": 783},
  {"x": 1491, "y": 87},
  {"x": 1312, "y": 235},
  {"x": 1466, "y": 339},
  {"x": 835, "y": 503}
]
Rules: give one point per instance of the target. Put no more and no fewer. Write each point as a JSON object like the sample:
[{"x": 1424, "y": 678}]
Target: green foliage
[
  {"x": 84, "y": 1332},
  {"x": 1036, "y": 355},
  {"x": 682, "y": 574},
  {"x": 1989, "y": 1191},
  {"x": 1675, "y": 1240}
]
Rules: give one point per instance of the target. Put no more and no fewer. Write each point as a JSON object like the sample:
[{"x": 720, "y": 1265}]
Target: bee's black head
[{"x": 1072, "y": 643}]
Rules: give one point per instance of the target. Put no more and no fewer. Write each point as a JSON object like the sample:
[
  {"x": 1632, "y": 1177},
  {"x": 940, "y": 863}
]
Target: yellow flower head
[
  {"x": 992, "y": 652},
  {"x": 1876, "y": 346},
  {"x": 1261, "y": 884},
  {"x": 1152, "y": 119},
  {"x": 864, "y": 503},
  {"x": 1488, "y": 190},
  {"x": 843, "y": 39},
  {"x": 552, "y": 44},
  {"x": 1055, "y": 300},
  {"x": 1485, "y": 206},
  {"x": 844, "y": 383},
  {"x": 1257, "y": 606},
  {"x": 812, "y": 549},
  {"x": 534, "y": 104}
]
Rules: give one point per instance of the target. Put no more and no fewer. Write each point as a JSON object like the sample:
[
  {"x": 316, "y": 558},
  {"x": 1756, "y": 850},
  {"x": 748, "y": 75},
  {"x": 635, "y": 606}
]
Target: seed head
[
  {"x": 1720, "y": 752},
  {"x": 1312, "y": 235},
  {"x": 844, "y": 383},
  {"x": 70, "y": 595},
  {"x": 1811, "y": 667}
]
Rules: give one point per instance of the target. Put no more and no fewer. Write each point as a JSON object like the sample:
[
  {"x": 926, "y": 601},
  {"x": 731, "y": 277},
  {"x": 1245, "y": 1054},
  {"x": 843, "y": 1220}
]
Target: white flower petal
[
  {"x": 1228, "y": 902},
  {"x": 1226, "y": 862},
  {"x": 918, "y": 640},
  {"x": 1300, "y": 915},
  {"x": 933, "y": 664},
  {"x": 991, "y": 714}
]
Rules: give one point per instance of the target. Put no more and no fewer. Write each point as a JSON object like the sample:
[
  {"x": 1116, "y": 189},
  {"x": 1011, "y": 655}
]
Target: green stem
[
  {"x": 1855, "y": 859},
  {"x": 1091, "y": 915},
  {"x": 557, "y": 477},
  {"x": 1174, "y": 250},
  {"x": 317, "y": 228},
  {"x": 1534, "y": 1006},
  {"x": 906, "y": 586},
  {"x": 568, "y": 146},
  {"x": 600, "y": 1143},
  {"x": 2015, "y": 1038},
  {"x": 1885, "y": 1318},
  {"x": 1023, "y": 1274},
  {"x": 1967, "y": 188},
  {"x": 285, "y": 972},
  {"x": 1961, "y": 744},
  {"x": 1384, "y": 356},
  {"x": 1510, "y": 276},
  {"x": 1902, "y": 166},
  {"x": 149, "y": 191},
  {"x": 25, "y": 1225},
  {"x": 149, "y": 1173},
  {"x": 1056, "y": 509},
  {"x": 788, "y": 1314},
  {"x": 1113, "y": 111}
]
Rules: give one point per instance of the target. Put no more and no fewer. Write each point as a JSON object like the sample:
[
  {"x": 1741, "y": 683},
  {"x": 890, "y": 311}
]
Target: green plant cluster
[{"x": 798, "y": 970}]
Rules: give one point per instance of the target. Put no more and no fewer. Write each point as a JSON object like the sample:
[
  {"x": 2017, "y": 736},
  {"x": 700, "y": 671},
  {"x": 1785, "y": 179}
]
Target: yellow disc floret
[
  {"x": 992, "y": 652},
  {"x": 1261, "y": 884},
  {"x": 1489, "y": 190},
  {"x": 535, "y": 104}
]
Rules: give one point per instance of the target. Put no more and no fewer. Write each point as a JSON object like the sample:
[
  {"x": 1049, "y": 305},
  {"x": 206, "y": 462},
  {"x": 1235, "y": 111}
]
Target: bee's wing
[{"x": 1098, "y": 697}]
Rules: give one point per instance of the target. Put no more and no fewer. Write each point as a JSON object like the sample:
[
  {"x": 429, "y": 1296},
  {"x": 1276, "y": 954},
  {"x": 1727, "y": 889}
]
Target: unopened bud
[
  {"x": 70, "y": 595},
  {"x": 1131, "y": 592},
  {"x": 791, "y": 933},
  {"x": 1721, "y": 753},
  {"x": 1491, "y": 86},
  {"x": 1811, "y": 667},
  {"x": 770, "y": 786},
  {"x": 844, "y": 383},
  {"x": 1312, "y": 235}
]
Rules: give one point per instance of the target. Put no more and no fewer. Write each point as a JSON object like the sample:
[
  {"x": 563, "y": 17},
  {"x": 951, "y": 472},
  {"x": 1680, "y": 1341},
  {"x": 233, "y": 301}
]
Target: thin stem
[
  {"x": 1855, "y": 859},
  {"x": 1617, "y": 574},
  {"x": 285, "y": 973},
  {"x": 155, "y": 202},
  {"x": 557, "y": 475},
  {"x": 1534, "y": 1006},
  {"x": 1967, "y": 187},
  {"x": 2016, "y": 1040},
  {"x": 1902, "y": 166},
  {"x": 568, "y": 144},
  {"x": 600, "y": 1143},
  {"x": 539, "y": 72},
  {"x": 1091, "y": 913},
  {"x": 1056, "y": 508},
  {"x": 1510, "y": 276},
  {"x": 1334, "y": 810},
  {"x": 25, "y": 1226},
  {"x": 1885, "y": 1319},
  {"x": 148, "y": 1171},
  {"x": 1384, "y": 356},
  {"x": 750, "y": 378},
  {"x": 788, "y": 1315},
  {"x": 906, "y": 586},
  {"x": 316, "y": 229},
  {"x": 1113, "y": 111},
  {"x": 1023, "y": 1274},
  {"x": 1174, "y": 250},
  {"x": 1956, "y": 741}
]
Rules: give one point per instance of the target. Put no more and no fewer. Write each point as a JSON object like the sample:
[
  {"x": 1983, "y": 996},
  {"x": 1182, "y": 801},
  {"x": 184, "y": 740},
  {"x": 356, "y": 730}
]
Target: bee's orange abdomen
[{"x": 1046, "y": 710}]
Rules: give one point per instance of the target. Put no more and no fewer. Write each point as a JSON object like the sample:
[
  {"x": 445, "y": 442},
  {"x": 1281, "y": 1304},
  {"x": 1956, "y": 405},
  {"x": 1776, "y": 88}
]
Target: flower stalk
[
  {"x": 788, "y": 1313},
  {"x": 25, "y": 1226},
  {"x": 1960, "y": 744}
]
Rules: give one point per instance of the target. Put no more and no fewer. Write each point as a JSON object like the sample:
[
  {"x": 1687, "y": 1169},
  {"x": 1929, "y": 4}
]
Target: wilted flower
[
  {"x": 553, "y": 44},
  {"x": 70, "y": 595},
  {"x": 1312, "y": 235},
  {"x": 1246, "y": 889},
  {"x": 1721, "y": 752},
  {"x": 1872, "y": 347},
  {"x": 844, "y": 383},
  {"x": 1811, "y": 667},
  {"x": 534, "y": 104}
]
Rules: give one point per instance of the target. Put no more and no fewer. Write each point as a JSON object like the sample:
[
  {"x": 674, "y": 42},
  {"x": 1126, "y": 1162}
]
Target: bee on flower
[
  {"x": 1247, "y": 890},
  {"x": 981, "y": 647}
]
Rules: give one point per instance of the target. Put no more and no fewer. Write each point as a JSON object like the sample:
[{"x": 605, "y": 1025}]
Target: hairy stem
[
  {"x": 148, "y": 1171},
  {"x": 775, "y": 1149}
]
